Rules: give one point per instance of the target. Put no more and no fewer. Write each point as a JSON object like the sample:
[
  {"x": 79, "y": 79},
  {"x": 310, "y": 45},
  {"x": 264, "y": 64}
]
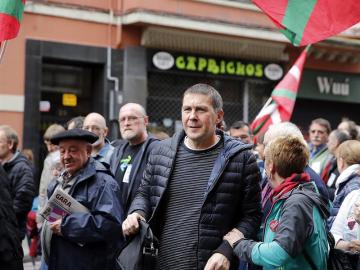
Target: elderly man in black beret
[{"x": 83, "y": 240}]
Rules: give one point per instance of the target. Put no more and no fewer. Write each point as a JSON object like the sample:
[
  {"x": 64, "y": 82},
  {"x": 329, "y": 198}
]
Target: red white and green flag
[
  {"x": 308, "y": 21},
  {"x": 280, "y": 105},
  {"x": 11, "y": 12}
]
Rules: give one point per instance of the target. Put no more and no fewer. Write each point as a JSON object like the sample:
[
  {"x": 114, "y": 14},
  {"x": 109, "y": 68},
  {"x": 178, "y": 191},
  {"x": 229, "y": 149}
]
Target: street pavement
[{"x": 28, "y": 263}]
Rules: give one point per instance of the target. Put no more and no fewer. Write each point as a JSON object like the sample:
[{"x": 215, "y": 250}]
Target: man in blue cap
[{"x": 83, "y": 240}]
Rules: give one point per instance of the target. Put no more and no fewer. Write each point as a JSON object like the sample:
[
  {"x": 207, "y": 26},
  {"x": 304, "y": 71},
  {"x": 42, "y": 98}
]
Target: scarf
[
  {"x": 289, "y": 184},
  {"x": 344, "y": 176}
]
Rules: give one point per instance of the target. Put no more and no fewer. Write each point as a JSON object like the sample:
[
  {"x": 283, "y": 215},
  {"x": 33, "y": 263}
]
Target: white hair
[{"x": 283, "y": 129}]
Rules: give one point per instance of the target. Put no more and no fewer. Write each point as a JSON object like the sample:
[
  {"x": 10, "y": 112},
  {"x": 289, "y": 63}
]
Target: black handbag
[
  {"x": 338, "y": 259},
  {"x": 140, "y": 252},
  {"x": 341, "y": 259}
]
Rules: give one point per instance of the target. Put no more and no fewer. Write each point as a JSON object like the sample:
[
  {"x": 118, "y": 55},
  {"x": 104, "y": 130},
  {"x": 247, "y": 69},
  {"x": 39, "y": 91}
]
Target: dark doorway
[{"x": 63, "y": 81}]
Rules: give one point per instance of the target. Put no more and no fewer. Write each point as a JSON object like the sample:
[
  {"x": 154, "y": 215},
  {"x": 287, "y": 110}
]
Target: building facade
[{"x": 76, "y": 56}]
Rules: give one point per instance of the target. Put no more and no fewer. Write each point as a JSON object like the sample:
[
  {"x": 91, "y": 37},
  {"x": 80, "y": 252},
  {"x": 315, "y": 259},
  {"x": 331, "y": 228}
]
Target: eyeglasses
[{"x": 130, "y": 119}]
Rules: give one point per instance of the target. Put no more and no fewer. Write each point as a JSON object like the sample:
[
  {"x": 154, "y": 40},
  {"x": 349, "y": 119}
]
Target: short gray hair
[
  {"x": 283, "y": 129},
  {"x": 341, "y": 136},
  {"x": 11, "y": 136}
]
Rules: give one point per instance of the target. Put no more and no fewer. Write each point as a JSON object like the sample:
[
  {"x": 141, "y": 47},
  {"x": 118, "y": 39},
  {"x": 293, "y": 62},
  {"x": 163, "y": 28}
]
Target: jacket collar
[
  {"x": 346, "y": 174},
  {"x": 231, "y": 145},
  {"x": 84, "y": 174},
  {"x": 88, "y": 171}
]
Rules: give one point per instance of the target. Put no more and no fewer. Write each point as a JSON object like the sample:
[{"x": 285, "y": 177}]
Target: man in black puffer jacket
[
  {"x": 197, "y": 186},
  {"x": 11, "y": 253},
  {"x": 20, "y": 174}
]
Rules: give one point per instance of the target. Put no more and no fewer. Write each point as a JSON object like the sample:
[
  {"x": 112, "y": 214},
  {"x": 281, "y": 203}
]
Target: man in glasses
[{"x": 130, "y": 156}]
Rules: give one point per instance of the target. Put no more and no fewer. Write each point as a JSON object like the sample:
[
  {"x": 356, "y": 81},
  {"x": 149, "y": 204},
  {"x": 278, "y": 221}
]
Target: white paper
[{"x": 126, "y": 177}]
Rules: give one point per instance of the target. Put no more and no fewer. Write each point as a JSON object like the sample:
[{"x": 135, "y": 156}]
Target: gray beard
[{"x": 128, "y": 136}]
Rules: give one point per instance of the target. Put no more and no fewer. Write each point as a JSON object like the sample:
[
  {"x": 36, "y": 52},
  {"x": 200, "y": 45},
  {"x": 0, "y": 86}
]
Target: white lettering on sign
[{"x": 328, "y": 86}]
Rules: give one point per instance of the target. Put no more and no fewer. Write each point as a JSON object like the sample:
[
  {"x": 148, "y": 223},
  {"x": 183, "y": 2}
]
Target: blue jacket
[
  {"x": 350, "y": 184},
  {"x": 99, "y": 231}
]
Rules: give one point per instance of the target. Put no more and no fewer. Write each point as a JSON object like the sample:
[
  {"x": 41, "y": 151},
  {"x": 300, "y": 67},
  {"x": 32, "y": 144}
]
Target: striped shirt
[{"x": 183, "y": 201}]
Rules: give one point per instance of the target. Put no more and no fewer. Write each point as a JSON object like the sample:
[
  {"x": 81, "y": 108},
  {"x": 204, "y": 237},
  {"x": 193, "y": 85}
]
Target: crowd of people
[{"x": 214, "y": 200}]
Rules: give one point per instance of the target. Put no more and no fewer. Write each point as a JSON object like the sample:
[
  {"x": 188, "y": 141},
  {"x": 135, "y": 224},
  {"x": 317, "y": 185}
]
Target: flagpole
[
  {"x": 267, "y": 102},
  {"x": 2, "y": 49}
]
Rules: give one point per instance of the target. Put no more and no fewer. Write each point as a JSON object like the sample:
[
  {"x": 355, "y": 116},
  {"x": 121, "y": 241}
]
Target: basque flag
[
  {"x": 280, "y": 105},
  {"x": 308, "y": 21},
  {"x": 11, "y": 12}
]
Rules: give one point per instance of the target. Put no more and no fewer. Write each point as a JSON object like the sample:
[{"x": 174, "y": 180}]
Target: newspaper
[{"x": 61, "y": 204}]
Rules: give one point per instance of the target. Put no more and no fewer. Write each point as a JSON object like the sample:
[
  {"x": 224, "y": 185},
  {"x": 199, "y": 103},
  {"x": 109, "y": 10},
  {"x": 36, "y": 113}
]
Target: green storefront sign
[
  {"x": 332, "y": 86},
  {"x": 192, "y": 63}
]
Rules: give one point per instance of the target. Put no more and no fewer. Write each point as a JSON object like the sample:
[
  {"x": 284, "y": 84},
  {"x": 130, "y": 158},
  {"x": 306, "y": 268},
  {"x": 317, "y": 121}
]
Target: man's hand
[
  {"x": 233, "y": 236},
  {"x": 354, "y": 246},
  {"x": 131, "y": 224},
  {"x": 56, "y": 227},
  {"x": 217, "y": 262}
]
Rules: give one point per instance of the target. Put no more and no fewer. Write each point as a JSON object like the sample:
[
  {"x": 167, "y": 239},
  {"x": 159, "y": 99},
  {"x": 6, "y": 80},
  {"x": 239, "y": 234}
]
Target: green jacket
[
  {"x": 295, "y": 223},
  {"x": 319, "y": 160}
]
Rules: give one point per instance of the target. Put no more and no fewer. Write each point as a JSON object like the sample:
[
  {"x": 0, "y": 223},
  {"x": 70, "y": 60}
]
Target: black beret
[{"x": 74, "y": 134}]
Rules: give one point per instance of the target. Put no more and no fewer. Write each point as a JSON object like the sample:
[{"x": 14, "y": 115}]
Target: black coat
[
  {"x": 138, "y": 166},
  {"x": 232, "y": 198},
  {"x": 10, "y": 245},
  {"x": 22, "y": 187}
]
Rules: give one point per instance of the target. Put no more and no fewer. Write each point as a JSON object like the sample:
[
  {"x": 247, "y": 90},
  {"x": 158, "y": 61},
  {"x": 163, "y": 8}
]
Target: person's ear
[
  {"x": 340, "y": 163},
  {"x": 88, "y": 149},
  {"x": 106, "y": 130},
  {"x": 272, "y": 168},
  {"x": 10, "y": 145},
  {"x": 220, "y": 116},
  {"x": 146, "y": 120}
]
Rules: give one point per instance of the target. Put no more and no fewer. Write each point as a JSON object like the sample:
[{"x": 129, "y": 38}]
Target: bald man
[
  {"x": 131, "y": 155},
  {"x": 101, "y": 149}
]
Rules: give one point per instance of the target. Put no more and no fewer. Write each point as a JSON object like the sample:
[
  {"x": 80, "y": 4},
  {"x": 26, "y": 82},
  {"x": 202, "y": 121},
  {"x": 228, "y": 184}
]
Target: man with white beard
[
  {"x": 131, "y": 155},
  {"x": 101, "y": 149}
]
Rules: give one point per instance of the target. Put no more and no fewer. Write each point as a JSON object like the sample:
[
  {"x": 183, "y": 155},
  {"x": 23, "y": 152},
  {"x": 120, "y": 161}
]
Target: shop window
[{"x": 165, "y": 97}]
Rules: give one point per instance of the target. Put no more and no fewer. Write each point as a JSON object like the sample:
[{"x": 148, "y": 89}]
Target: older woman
[
  {"x": 294, "y": 234},
  {"x": 346, "y": 229},
  {"x": 348, "y": 163}
]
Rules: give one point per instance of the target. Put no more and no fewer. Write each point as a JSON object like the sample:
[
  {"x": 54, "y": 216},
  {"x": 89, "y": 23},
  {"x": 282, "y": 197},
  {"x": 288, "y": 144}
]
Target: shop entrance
[
  {"x": 67, "y": 91},
  {"x": 63, "y": 81}
]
